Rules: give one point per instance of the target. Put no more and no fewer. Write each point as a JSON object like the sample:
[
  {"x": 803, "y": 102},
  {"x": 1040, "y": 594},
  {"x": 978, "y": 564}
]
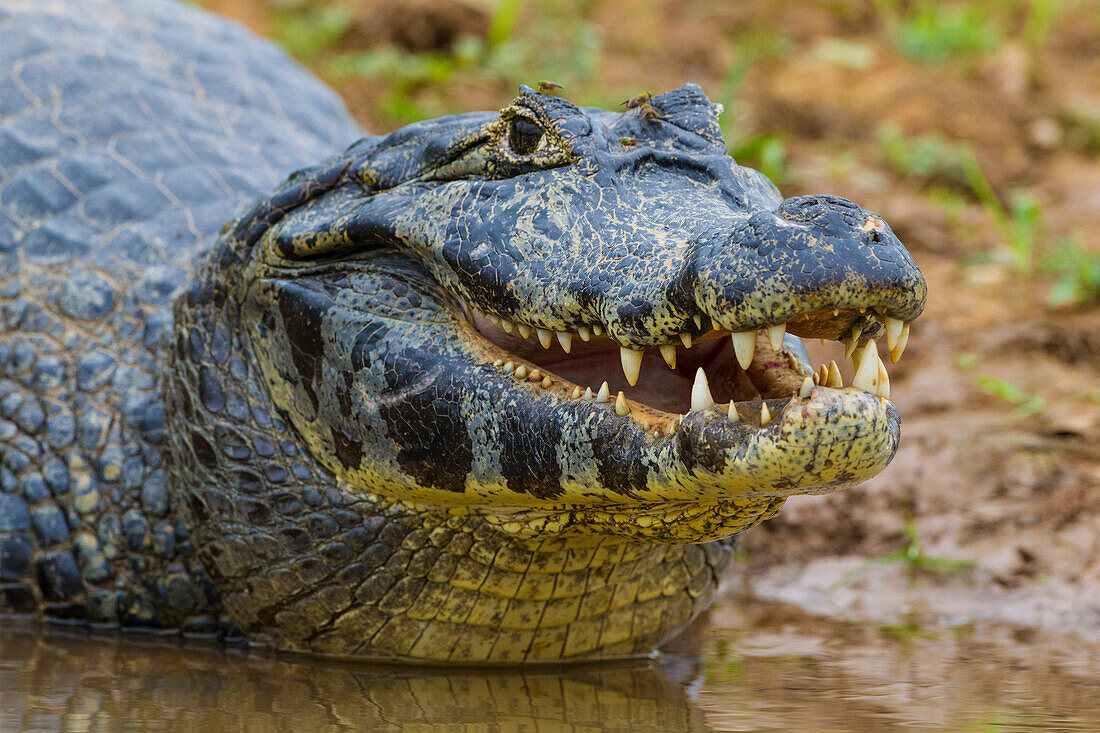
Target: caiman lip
[{"x": 750, "y": 376}]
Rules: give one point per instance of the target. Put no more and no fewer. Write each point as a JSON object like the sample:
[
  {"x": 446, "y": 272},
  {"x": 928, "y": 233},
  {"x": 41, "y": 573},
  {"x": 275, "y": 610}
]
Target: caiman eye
[{"x": 524, "y": 136}]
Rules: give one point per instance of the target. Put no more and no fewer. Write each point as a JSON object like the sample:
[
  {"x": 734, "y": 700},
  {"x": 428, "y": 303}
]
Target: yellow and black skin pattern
[{"x": 352, "y": 462}]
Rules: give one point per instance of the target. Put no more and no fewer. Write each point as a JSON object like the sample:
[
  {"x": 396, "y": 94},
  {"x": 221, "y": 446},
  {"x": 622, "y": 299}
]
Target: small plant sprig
[
  {"x": 1027, "y": 403},
  {"x": 1018, "y": 225},
  {"x": 914, "y": 559},
  {"x": 934, "y": 33},
  {"x": 1078, "y": 271}
]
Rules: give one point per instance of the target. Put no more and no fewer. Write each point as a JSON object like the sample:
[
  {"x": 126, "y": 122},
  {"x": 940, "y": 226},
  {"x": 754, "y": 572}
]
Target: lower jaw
[
  {"x": 669, "y": 523},
  {"x": 827, "y": 443},
  {"x": 685, "y": 506}
]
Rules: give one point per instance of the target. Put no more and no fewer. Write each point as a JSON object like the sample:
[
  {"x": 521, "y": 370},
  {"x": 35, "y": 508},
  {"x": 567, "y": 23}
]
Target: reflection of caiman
[
  {"x": 107, "y": 685},
  {"x": 392, "y": 413}
]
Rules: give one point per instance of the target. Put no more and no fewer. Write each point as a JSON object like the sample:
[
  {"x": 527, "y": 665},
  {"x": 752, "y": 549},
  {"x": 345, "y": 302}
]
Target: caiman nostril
[{"x": 817, "y": 208}]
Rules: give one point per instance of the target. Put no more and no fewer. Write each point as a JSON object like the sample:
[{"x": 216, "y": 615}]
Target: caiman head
[{"x": 570, "y": 321}]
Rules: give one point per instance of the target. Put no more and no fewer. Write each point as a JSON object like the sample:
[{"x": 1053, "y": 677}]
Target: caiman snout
[{"x": 811, "y": 253}]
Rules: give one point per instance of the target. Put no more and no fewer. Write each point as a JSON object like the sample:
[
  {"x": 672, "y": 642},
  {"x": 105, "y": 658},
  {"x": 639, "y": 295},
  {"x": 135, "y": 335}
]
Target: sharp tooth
[
  {"x": 700, "y": 392},
  {"x": 632, "y": 364},
  {"x": 588, "y": 393},
  {"x": 524, "y": 330},
  {"x": 508, "y": 326},
  {"x": 698, "y": 321},
  {"x": 744, "y": 346},
  {"x": 498, "y": 363},
  {"x": 668, "y": 352},
  {"x": 576, "y": 393},
  {"x": 732, "y": 414},
  {"x": 775, "y": 335},
  {"x": 535, "y": 375},
  {"x": 604, "y": 394},
  {"x": 584, "y": 333},
  {"x": 893, "y": 331},
  {"x": 807, "y": 385},
  {"x": 833, "y": 378},
  {"x": 521, "y": 372},
  {"x": 883, "y": 380},
  {"x": 867, "y": 370},
  {"x": 903, "y": 339},
  {"x": 765, "y": 415},
  {"x": 508, "y": 366},
  {"x": 546, "y": 382},
  {"x": 823, "y": 375},
  {"x": 851, "y": 342},
  {"x": 566, "y": 341},
  {"x": 597, "y": 330},
  {"x": 685, "y": 338},
  {"x": 620, "y": 406},
  {"x": 494, "y": 319},
  {"x": 816, "y": 376},
  {"x": 545, "y": 337}
]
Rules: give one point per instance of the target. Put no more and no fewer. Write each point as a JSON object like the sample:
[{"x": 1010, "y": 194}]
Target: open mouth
[{"x": 751, "y": 376}]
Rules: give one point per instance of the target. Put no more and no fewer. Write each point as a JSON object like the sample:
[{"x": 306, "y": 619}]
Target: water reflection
[
  {"x": 760, "y": 667},
  {"x": 67, "y": 683},
  {"x": 772, "y": 667}
]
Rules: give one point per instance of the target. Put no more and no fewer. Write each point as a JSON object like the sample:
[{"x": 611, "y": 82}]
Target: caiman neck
[{"x": 304, "y": 563}]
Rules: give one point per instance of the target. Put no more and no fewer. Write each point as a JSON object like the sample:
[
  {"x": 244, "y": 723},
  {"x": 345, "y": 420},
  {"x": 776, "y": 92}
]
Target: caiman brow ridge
[{"x": 498, "y": 387}]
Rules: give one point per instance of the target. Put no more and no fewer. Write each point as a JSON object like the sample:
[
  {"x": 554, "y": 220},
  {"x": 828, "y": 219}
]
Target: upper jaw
[
  {"x": 815, "y": 267},
  {"x": 652, "y": 294}
]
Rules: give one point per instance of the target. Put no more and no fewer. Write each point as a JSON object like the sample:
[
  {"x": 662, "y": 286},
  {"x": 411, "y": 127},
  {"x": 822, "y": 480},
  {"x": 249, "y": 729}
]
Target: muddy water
[{"x": 750, "y": 667}]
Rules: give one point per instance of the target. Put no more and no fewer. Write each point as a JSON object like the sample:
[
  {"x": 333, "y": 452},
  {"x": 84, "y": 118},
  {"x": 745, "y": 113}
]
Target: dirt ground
[{"x": 991, "y": 509}]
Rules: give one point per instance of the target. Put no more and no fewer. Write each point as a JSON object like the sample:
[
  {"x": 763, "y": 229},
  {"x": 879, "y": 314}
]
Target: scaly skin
[
  {"x": 358, "y": 475},
  {"x": 125, "y": 145}
]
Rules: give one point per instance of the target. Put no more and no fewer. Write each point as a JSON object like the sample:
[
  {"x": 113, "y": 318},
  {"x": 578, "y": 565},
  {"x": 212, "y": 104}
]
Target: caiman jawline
[{"x": 738, "y": 372}]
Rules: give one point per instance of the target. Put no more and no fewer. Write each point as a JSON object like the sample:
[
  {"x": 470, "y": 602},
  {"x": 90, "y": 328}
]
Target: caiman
[{"x": 498, "y": 387}]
